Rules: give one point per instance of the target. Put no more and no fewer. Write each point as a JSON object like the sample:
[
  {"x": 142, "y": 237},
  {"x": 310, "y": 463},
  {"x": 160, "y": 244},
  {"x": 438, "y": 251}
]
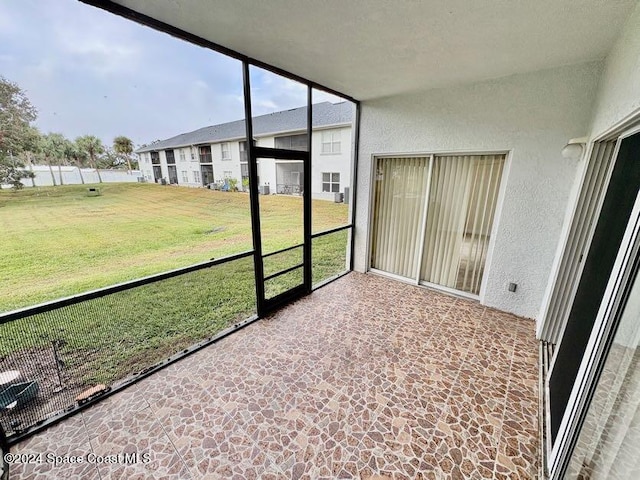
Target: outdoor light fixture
[{"x": 574, "y": 149}]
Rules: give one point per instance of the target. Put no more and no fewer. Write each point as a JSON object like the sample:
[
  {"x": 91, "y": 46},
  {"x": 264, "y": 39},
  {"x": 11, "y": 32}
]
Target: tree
[
  {"x": 93, "y": 147},
  {"x": 77, "y": 156},
  {"x": 16, "y": 133},
  {"x": 123, "y": 146},
  {"x": 110, "y": 159},
  {"x": 53, "y": 147}
]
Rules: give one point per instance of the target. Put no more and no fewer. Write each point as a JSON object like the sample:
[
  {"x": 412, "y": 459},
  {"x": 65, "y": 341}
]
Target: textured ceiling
[{"x": 375, "y": 48}]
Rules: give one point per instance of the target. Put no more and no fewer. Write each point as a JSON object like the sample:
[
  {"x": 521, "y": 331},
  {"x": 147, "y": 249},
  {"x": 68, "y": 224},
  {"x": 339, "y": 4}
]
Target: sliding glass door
[
  {"x": 400, "y": 193},
  {"x": 433, "y": 216}
]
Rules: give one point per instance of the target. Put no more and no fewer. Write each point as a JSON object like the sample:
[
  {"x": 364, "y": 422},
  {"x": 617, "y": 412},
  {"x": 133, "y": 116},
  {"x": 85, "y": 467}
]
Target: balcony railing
[
  {"x": 288, "y": 189},
  {"x": 56, "y": 356}
]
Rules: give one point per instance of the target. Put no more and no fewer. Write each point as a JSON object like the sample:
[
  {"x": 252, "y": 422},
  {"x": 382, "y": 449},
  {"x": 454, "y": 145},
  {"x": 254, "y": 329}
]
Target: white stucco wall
[
  {"x": 232, "y": 164},
  {"x": 532, "y": 116},
  {"x": 340, "y": 162},
  {"x": 619, "y": 91},
  {"x": 73, "y": 176}
]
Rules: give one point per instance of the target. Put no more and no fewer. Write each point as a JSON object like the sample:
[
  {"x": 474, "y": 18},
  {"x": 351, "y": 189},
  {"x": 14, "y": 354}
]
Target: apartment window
[
  {"x": 292, "y": 142},
  {"x": 185, "y": 176},
  {"x": 183, "y": 156},
  {"x": 244, "y": 155},
  {"x": 330, "y": 141},
  {"x": 244, "y": 170},
  {"x": 331, "y": 182},
  {"x": 227, "y": 174},
  {"x": 171, "y": 158},
  {"x": 226, "y": 151},
  {"x": 205, "y": 154},
  {"x": 196, "y": 177},
  {"x": 155, "y": 158}
]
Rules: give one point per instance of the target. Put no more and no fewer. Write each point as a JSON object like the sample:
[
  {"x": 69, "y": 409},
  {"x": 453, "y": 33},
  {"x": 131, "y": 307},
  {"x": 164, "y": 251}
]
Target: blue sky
[{"x": 90, "y": 72}]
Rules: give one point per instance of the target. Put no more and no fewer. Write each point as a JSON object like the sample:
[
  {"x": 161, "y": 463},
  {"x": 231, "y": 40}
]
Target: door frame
[
  {"x": 559, "y": 453},
  {"x": 265, "y": 306},
  {"x": 431, "y": 154},
  {"x": 625, "y": 270}
]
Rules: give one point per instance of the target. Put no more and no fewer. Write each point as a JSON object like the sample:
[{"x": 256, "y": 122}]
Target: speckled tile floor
[{"x": 365, "y": 378}]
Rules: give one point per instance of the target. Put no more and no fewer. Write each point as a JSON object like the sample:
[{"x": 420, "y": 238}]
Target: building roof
[{"x": 324, "y": 114}]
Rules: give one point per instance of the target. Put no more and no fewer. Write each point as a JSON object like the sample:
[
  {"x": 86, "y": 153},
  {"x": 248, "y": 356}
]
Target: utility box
[
  {"x": 346, "y": 195},
  {"x": 93, "y": 192}
]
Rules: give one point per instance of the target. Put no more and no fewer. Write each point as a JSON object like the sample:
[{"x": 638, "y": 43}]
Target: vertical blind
[
  {"x": 442, "y": 241},
  {"x": 400, "y": 193},
  {"x": 462, "y": 201},
  {"x": 582, "y": 225}
]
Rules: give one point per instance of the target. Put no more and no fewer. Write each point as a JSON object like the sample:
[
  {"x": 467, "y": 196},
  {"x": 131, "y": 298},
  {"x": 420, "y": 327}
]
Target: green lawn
[{"x": 58, "y": 242}]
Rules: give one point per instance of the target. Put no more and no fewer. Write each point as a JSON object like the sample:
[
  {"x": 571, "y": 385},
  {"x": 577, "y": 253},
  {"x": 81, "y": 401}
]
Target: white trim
[
  {"x": 610, "y": 306},
  {"x": 372, "y": 179},
  {"x": 630, "y": 123},
  {"x": 400, "y": 278},
  {"x": 423, "y": 227},
  {"x": 426, "y": 285},
  {"x": 497, "y": 216},
  {"x": 452, "y": 291},
  {"x": 504, "y": 151}
]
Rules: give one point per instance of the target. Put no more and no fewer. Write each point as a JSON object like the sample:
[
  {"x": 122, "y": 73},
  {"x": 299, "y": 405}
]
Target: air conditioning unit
[{"x": 263, "y": 189}]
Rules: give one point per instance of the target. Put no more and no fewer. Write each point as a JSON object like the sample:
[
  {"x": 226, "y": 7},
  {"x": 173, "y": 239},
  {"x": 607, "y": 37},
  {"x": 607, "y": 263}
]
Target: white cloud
[{"x": 90, "y": 72}]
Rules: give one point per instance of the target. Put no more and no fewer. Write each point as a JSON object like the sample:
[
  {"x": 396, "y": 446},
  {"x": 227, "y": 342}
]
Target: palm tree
[
  {"x": 123, "y": 146},
  {"x": 93, "y": 147},
  {"x": 76, "y": 155},
  {"x": 52, "y": 147}
]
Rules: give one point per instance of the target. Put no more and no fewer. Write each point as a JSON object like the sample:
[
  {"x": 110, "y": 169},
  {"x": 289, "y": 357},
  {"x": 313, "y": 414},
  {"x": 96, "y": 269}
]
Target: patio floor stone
[{"x": 365, "y": 378}]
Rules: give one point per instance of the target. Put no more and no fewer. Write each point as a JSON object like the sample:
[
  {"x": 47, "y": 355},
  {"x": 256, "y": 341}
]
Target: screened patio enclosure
[
  {"x": 432, "y": 217},
  {"x": 289, "y": 177}
]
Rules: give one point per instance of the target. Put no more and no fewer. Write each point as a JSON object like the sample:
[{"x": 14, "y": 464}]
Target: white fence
[{"x": 75, "y": 175}]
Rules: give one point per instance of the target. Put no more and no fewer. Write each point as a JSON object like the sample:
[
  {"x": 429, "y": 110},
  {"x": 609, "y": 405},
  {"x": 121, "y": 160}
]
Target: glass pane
[
  {"x": 399, "y": 198},
  {"x": 275, "y": 286},
  {"x": 607, "y": 446},
  {"x": 129, "y": 224},
  {"x": 330, "y": 255},
  {"x": 335, "y": 187},
  {"x": 462, "y": 200},
  {"x": 338, "y": 114},
  {"x": 109, "y": 339}
]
